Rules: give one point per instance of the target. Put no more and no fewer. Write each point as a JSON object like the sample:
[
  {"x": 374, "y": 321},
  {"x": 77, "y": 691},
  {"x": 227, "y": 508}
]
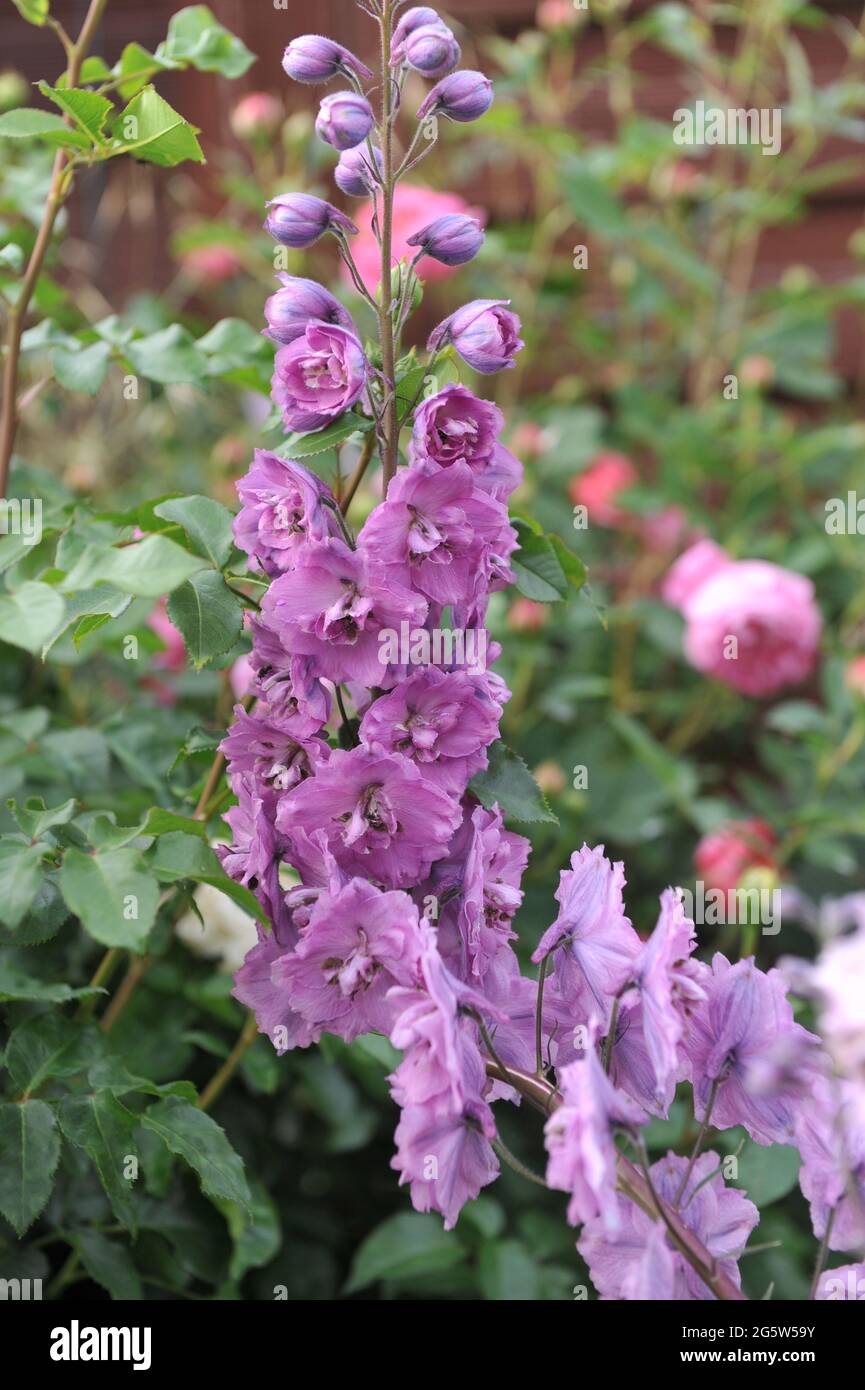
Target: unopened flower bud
[
  {"x": 353, "y": 174},
  {"x": 256, "y": 115},
  {"x": 431, "y": 50},
  {"x": 344, "y": 120},
  {"x": 291, "y": 308},
  {"x": 313, "y": 59},
  {"x": 463, "y": 96},
  {"x": 453, "y": 239},
  {"x": 298, "y": 219}
]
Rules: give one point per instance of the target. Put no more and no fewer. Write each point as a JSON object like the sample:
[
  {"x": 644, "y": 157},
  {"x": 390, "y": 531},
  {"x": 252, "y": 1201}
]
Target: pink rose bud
[
  {"x": 723, "y": 858},
  {"x": 527, "y": 615},
  {"x": 256, "y": 115},
  {"x": 854, "y": 676},
  {"x": 212, "y": 264},
  {"x": 600, "y": 484}
]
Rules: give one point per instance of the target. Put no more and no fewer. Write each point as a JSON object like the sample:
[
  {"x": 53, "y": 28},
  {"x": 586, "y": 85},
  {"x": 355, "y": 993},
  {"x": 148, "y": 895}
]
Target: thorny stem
[
  {"x": 61, "y": 182},
  {"x": 633, "y": 1185},
  {"x": 390, "y": 431}
]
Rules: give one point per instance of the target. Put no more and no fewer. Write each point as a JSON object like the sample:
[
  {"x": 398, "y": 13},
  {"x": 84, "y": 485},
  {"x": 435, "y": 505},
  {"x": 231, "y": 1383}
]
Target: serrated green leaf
[
  {"x": 135, "y": 67},
  {"x": 30, "y": 1146},
  {"x": 149, "y": 568},
  {"x": 83, "y": 369},
  {"x": 208, "y": 616},
  {"x": 508, "y": 783},
  {"x": 170, "y": 357},
  {"x": 87, "y": 110},
  {"x": 112, "y": 893},
  {"x": 406, "y": 1244},
  {"x": 30, "y": 615},
  {"x": 301, "y": 446},
  {"x": 206, "y": 523},
  {"x": 34, "y": 11},
  {"x": 100, "y": 1125},
  {"x": 21, "y": 874},
  {"x": 196, "y": 1138},
  {"x": 30, "y": 123},
  {"x": 109, "y": 1264},
  {"x": 196, "y": 37},
  {"x": 150, "y": 129},
  {"x": 17, "y": 984},
  {"x": 176, "y": 857},
  {"x": 49, "y": 1047}
]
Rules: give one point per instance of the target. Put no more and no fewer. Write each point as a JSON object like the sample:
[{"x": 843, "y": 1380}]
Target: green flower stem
[{"x": 221, "y": 1078}]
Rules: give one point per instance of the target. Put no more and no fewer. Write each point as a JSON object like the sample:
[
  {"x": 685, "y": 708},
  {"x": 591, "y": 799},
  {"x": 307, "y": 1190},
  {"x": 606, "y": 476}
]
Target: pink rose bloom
[
  {"x": 722, "y": 859},
  {"x": 212, "y": 264},
  {"x": 854, "y": 676},
  {"x": 173, "y": 658},
  {"x": 413, "y": 209},
  {"x": 750, "y": 624},
  {"x": 257, "y": 115},
  {"x": 527, "y": 615},
  {"x": 599, "y": 485}
]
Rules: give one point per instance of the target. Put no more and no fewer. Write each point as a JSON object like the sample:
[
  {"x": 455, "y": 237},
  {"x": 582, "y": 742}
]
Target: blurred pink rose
[
  {"x": 750, "y": 624},
  {"x": 256, "y": 115},
  {"x": 854, "y": 676},
  {"x": 173, "y": 658},
  {"x": 240, "y": 677},
  {"x": 598, "y": 486},
  {"x": 722, "y": 859},
  {"x": 414, "y": 208},
  {"x": 553, "y": 15},
  {"x": 666, "y": 529},
  {"x": 212, "y": 264},
  {"x": 527, "y": 615}
]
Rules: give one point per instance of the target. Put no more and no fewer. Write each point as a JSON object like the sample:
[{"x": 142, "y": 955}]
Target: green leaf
[
  {"x": 767, "y": 1173},
  {"x": 301, "y": 446},
  {"x": 507, "y": 1272},
  {"x": 21, "y": 873},
  {"x": 12, "y": 256},
  {"x": 88, "y": 110},
  {"x": 109, "y": 1264},
  {"x": 87, "y": 610},
  {"x": 196, "y": 37},
  {"x": 84, "y": 368},
  {"x": 255, "y": 1232},
  {"x": 170, "y": 357},
  {"x": 48, "y": 1047},
  {"x": 406, "y": 1244},
  {"x": 112, "y": 893},
  {"x": 105, "y": 1130},
  {"x": 136, "y": 66},
  {"x": 34, "y": 11},
  {"x": 508, "y": 783},
  {"x": 16, "y": 984},
  {"x": 536, "y": 565},
  {"x": 206, "y": 523},
  {"x": 150, "y": 129},
  {"x": 34, "y": 817},
  {"x": 573, "y": 568},
  {"x": 208, "y": 615},
  {"x": 29, "y": 616},
  {"x": 30, "y": 1146},
  {"x": 29, "y": 123},
  {"x": 148, "y": 569},
  {"x": 177, "y": 857},
  {"x": 200, "y": 1142}
]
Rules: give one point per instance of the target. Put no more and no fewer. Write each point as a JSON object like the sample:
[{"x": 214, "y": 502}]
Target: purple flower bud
[
  {"x": 453, "y": 239},
  {"x": 344, "y": 120},
  {"x": 420, "y": 17},
  {"x": 313, "y": 59},
  {"x": 464, "y": 96},
  {"x": 292, "y": 307},
  {"x": 485, "y": 334},
  {"x": 298, "y": 219},
  {"x": 353, "y": 173},
  {"x": 431, "y": 50}
]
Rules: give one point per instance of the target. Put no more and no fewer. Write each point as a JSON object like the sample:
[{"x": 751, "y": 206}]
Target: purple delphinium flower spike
[
  {"x": 745, "y": 1014},
  {"x": 592, "y": 941},
  {"x": 720, "y": 1216}
]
